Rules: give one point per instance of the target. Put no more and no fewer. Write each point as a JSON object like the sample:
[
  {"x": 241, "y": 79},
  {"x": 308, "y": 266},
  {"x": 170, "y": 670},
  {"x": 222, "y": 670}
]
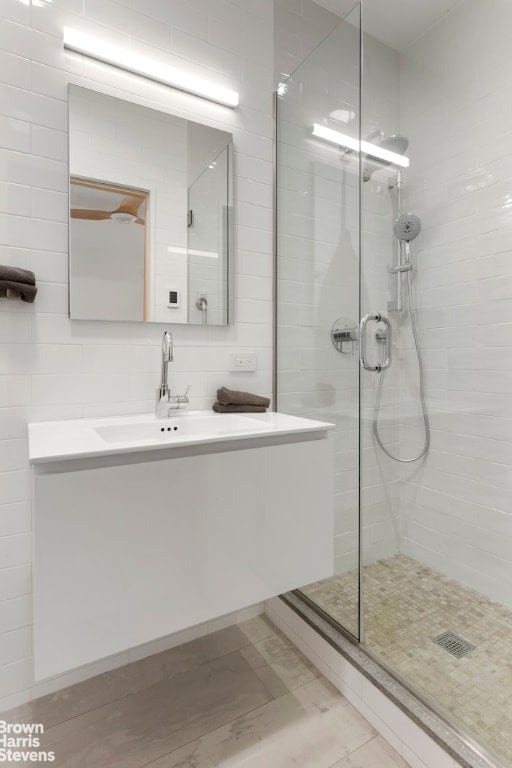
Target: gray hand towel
[
  {"x": 232, "y": 408},
  {"x": 17, "y": 275},
  {"x": 25, "y": 292},
  {"x": 235, "y": 397}
]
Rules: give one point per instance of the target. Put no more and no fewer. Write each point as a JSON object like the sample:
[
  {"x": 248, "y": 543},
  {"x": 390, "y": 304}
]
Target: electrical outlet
[{"x": 243, "y": 361}]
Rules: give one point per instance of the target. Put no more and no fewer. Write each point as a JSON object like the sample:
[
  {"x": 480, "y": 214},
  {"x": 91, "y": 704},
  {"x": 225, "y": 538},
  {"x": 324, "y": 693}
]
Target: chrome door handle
[{"x": 377, "y": 367}]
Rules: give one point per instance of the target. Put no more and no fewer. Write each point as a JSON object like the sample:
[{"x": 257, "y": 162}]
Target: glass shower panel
[
  {"x": 437, "y": 530},
  {"x": 382, "y": 331},
  {"x": 318, "y": 281}
]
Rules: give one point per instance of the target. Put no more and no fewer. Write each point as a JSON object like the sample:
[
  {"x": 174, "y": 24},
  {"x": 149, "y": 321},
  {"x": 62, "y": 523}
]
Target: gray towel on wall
[
  {"x": 25, "y": 292},
  {"x": 17, "y": 275},
  {"x": 235, "y": 397}
]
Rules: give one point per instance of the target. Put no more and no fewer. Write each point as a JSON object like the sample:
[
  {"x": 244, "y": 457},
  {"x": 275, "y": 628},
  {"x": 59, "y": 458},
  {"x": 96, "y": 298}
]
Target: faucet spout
[
  {"x": 163, "y": 391},
  {"x": 167, "y": 357},
  {"x": 166, "y": 402}
]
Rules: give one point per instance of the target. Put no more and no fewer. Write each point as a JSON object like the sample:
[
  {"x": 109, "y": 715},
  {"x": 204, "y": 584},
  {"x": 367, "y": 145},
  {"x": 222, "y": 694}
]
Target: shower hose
[{"x": 382, "y": 374}]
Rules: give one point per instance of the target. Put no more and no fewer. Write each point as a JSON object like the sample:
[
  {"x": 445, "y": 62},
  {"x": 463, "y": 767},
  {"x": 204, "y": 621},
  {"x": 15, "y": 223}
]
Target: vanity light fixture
[
  {"x": 177, "y": 251},
  {"x": 98, "y": 49},
  {"x": 373, "y": 150}
]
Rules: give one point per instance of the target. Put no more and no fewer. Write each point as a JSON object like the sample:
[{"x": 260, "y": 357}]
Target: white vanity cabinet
[{"x": 134, "y": 545}]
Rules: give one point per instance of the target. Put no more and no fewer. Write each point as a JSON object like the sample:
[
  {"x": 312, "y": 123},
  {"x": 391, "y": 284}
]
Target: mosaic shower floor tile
[{"x": 406, "y": 607}]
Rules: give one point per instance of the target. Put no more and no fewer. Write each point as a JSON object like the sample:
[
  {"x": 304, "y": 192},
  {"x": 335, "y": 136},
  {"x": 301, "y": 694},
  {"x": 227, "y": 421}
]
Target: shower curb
[{"x": 456, "y": 746}]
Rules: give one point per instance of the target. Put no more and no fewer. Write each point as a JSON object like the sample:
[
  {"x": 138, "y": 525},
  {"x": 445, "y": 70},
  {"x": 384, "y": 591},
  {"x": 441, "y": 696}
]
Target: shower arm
[{"x": 368, "y": 138}]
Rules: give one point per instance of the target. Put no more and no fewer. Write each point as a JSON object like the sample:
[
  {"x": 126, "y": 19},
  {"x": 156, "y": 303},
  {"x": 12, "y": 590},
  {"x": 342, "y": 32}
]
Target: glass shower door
[
  {"x": 318, "y": 233},
  {"x": 402, "y": 255},
  {"x": 384, "y": 327},
  {"x": 436, "y": 489}
]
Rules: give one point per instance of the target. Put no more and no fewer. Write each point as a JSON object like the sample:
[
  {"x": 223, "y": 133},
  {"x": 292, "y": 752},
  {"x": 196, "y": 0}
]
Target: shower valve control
[
  {"x": 401, "y": 268},
  {"x": 344, "y": 336}
]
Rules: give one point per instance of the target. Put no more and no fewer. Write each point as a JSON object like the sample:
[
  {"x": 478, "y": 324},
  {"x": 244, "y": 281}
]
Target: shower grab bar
[{"x": 377, "y": 367}]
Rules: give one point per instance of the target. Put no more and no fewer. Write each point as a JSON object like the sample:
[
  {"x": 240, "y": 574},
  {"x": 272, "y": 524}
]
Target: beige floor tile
[
  {"x": 118, "y": 683},
  {"x": 111, "y": 686},
  {"x": 236, "y": 637},
  {"x": 279, "y": 664},
  {"x": 258, "y": 628},
  {"x": 141, "y": 727},
  {"x": 376, "y": 753},
  {"x": 204, "y": 705},
  {"x": 192, "y": 755},
  {"x": 311, "y": 727}
]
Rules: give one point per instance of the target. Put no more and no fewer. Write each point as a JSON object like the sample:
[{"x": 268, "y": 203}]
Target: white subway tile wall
[
  {"x": 298, "y": 28},
  {"x": 455, "y": 108},
  {"x": 50, "y": 367}
]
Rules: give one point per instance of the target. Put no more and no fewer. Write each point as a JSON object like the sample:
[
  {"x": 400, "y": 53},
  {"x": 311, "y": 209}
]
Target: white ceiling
[
  {"x": 89, "y": 197},
  {"x": 397, "y": 23}
]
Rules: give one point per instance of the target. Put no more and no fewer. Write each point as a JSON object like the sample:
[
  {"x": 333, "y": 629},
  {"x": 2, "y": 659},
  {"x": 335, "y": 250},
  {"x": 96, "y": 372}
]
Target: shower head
[
  {"x": 407, "y": 227},
  {"x": 396, "y": 143}
]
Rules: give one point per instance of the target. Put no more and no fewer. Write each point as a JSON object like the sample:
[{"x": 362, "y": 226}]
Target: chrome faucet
[{"x": 165, "y": 402}]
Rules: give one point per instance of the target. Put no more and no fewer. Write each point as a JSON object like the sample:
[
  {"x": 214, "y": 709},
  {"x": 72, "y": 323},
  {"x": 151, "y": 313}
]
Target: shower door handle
[{"x": 377, "y": 367}]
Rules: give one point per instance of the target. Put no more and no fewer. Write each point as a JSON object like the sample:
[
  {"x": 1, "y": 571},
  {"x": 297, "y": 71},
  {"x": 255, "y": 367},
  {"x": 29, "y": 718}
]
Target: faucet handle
[
  {"x": 183, "y": 399},
  {"x": 176, "y": 402}
]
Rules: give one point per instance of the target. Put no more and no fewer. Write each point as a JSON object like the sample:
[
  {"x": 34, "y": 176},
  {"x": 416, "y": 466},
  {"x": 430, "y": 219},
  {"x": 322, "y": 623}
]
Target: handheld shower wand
[{"x": 407, "y": 228}]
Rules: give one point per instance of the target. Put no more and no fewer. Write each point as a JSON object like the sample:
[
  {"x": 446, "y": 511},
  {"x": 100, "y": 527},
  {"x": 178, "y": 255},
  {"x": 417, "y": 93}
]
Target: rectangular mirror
[{"x": 150, "y": 214}]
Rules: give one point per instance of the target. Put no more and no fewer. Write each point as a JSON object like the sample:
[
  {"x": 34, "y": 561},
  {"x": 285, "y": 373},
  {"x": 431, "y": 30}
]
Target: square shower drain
[{"x": 454, "y": 644}]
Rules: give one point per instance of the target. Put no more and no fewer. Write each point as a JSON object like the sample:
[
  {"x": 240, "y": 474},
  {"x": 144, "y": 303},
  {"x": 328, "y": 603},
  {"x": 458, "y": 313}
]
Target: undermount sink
[
  {"x": 53, "y": 441},
  {"x": 192, "y": 424}
]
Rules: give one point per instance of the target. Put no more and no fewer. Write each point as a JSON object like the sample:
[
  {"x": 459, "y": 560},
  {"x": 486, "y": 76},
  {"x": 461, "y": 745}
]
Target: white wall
[
  {"x": 106, "y": 269},
  {"x": 456, "y": 88},
  {"x": 51, "y": 367},
  {"x": 299, "y": 26}
]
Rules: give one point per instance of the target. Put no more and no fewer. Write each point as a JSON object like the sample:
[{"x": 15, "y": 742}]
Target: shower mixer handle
[{"x": 375, "y": 367}]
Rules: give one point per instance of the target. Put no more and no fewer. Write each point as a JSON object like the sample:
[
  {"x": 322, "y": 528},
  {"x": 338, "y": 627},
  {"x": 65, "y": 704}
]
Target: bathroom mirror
[{"x": 150, "y": 214}]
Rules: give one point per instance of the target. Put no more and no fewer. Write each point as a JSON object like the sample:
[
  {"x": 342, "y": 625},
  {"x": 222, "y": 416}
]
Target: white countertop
[{"x": 51, "y": 441}]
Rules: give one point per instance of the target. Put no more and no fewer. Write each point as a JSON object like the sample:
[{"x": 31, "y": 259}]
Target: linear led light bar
[
  {"x": 341, "y": 139},
  {"x": 192, "y": 252},
  {"x": 140, "y": 65}
]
